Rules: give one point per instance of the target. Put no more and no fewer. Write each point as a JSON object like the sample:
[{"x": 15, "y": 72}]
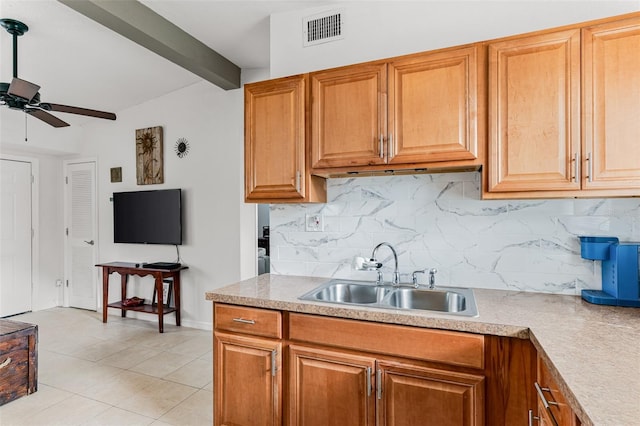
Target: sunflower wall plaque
[{"x": 149, "y": 159}]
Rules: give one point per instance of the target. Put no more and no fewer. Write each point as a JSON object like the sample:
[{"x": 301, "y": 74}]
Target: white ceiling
[{"x": 78, "y": 62}]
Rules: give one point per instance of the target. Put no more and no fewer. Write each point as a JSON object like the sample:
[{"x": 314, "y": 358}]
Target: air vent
[{"x": 323, "y": 28}]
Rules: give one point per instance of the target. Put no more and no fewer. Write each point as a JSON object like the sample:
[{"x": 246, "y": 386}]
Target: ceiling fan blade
[
  {"x": 46, "y": 117},
  {"x": 77, "y": 110},
  {"x": 23, "y": 89}
]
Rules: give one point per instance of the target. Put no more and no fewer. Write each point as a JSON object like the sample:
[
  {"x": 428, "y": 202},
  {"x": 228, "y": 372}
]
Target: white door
[
  {"x": 81, "y": 275},
  {"x": 15, "y": 237}
]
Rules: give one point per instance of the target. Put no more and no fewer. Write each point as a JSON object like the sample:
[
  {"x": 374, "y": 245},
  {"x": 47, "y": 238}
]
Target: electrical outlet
[{"x": 314, "y": 223}]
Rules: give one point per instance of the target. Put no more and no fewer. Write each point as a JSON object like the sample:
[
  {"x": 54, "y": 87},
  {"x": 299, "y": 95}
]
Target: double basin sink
[{"x": 450, "y": 300}]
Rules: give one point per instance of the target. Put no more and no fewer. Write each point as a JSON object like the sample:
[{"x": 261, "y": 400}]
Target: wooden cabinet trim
[
  {"x": 448, "y": 347},
  {"x": 245, "y": 320}
]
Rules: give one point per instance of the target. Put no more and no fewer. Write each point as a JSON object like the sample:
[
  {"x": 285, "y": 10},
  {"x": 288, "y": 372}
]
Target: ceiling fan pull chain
[{"x": 25, "y": 127}]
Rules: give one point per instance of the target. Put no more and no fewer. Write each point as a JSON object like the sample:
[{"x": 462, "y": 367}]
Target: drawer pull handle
[
  {"x": 274, "y": 366},
  {"x": 244, "y": 321},
  {"x": 5, "y": 363},
  {"x": 545, "y": 403}
]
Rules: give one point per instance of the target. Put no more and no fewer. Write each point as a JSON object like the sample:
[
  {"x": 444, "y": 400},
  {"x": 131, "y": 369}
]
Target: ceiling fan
[{"x": 24, "y": 95}]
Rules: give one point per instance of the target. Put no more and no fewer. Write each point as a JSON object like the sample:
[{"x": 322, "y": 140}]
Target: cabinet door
[
  {"x": 330, "y": 388},
  {"x": 248, "y": 380},
  {"x": 433, "y": 107},
  {"x": 275, "y": 139},
  {"x": 534, "y": 113},
  {"x": 611, "y": 105},
  {"x": 348, "y": 116},
  {"x": 411, "y": 395}
]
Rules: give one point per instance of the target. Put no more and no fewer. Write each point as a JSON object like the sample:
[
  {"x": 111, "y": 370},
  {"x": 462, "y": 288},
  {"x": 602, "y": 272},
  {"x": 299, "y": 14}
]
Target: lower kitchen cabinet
[
  {"x": 284, "y": 368},
  {"x": 247, "y": 353},
  {"x": 330, "y": 388},
  {"x": 248, "y": 380},
  {"x": 413, "y": 395},
  {"x": 552, "y": 407}
]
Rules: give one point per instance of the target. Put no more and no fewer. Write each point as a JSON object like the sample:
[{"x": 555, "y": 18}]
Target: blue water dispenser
[{"x": 620, "y": 271}]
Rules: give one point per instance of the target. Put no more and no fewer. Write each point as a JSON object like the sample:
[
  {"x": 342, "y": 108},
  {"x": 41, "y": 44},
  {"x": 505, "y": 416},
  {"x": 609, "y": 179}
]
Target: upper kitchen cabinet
[
  {"x": 611, "y": 105},
  {"x": 534, "y": 112},
  {"x": 276, "y": 169},
  {"x": 415, "y": 111},
  {"x": 563, "y": 112},
  {"x": 348, "y": 116}
]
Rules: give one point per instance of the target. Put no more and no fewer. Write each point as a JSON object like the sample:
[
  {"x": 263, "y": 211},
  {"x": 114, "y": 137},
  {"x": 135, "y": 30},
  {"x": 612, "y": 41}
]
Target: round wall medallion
[{"x": 181, "y": 147}]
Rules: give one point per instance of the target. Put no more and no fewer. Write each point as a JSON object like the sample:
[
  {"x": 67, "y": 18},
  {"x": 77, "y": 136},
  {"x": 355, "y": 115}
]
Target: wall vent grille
[{"x": 323, "y": 28}]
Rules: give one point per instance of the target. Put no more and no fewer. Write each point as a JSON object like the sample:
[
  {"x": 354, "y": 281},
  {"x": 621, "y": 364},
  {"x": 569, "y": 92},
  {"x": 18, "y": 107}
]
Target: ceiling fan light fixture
[
  {"x": 25, "y": 96},
  {"x": 14, "y": 27},
  {"x": 23, "y": 89}
]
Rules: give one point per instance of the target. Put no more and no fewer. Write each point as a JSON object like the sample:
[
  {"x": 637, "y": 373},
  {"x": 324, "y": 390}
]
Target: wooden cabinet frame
[
  {"x": 276, "y": 150},
  {"x": 421, "y": 111},
  {"x": 369, "y": 358},
  {"x": 575, "y": 135}
]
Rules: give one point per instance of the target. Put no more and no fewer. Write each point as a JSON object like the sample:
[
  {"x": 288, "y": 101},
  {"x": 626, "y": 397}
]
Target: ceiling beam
[{"x": 145, "y": 27}]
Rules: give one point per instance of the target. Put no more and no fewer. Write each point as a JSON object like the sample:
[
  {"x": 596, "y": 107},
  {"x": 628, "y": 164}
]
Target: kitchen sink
[
  {"x": 433, "y": 300},
  {"x": 348, "y": 292},
  {"x": 451, "y": 300}
]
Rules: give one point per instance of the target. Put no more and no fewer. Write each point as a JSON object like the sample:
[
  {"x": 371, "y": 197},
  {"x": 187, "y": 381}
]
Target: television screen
[{"x": 148, "y": 217}]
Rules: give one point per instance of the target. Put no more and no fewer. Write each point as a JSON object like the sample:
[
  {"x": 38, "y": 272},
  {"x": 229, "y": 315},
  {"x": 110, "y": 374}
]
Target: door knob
[{"x": 89, "y": 242}]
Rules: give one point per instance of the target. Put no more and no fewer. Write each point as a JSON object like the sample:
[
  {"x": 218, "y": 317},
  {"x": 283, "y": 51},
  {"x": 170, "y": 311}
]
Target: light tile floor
[{"x": 120, "y": 373}]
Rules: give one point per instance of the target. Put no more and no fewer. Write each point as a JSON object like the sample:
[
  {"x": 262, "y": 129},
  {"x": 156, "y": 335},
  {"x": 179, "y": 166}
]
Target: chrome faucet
[
  {"x": 396, "y": 274},
  {"x": 432, "y": 277}
]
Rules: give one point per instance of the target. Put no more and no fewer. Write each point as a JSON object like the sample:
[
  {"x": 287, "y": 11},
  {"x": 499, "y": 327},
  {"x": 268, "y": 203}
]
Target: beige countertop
[{"x": 593, "y": 351}]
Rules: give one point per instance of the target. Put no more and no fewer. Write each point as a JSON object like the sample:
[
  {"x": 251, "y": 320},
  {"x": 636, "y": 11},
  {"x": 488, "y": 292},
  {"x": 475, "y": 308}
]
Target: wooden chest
[{"x": 18, "y": 360}]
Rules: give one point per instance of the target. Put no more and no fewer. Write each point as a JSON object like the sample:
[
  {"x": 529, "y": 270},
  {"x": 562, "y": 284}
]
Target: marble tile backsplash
[{"x": 439, "y": 221}]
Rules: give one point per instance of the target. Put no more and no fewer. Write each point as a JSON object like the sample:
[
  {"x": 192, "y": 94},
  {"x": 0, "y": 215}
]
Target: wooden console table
[{"x": 125, "y": 269}]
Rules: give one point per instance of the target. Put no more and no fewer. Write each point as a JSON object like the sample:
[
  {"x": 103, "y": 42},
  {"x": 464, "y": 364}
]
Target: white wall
[
  {"x": 211, "y": 177},
  {"x": 382, "y": 29},
  {"x": 439, "y": 220}
]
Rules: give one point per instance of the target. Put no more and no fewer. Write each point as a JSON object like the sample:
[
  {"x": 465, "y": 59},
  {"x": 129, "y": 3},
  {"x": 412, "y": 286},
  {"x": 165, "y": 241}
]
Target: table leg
[
  {"x": 105, "y": 292},
  {"x": 124, "y": 278},
  {"x": 160, "y": 305},
  {"x": 176, "y": 295}
]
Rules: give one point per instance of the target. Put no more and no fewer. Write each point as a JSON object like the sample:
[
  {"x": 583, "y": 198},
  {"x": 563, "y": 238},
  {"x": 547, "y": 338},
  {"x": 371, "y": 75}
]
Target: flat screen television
[{"x": 148, "y": 217}]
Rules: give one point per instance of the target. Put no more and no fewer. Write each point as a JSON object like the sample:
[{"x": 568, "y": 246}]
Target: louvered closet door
[{"x": 81, "y": 236}]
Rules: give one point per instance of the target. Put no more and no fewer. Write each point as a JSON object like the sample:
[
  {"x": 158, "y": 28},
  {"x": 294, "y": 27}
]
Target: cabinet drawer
[
  {"x": 448, "y": 347},
  {"x": 254, "y": 321}
]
